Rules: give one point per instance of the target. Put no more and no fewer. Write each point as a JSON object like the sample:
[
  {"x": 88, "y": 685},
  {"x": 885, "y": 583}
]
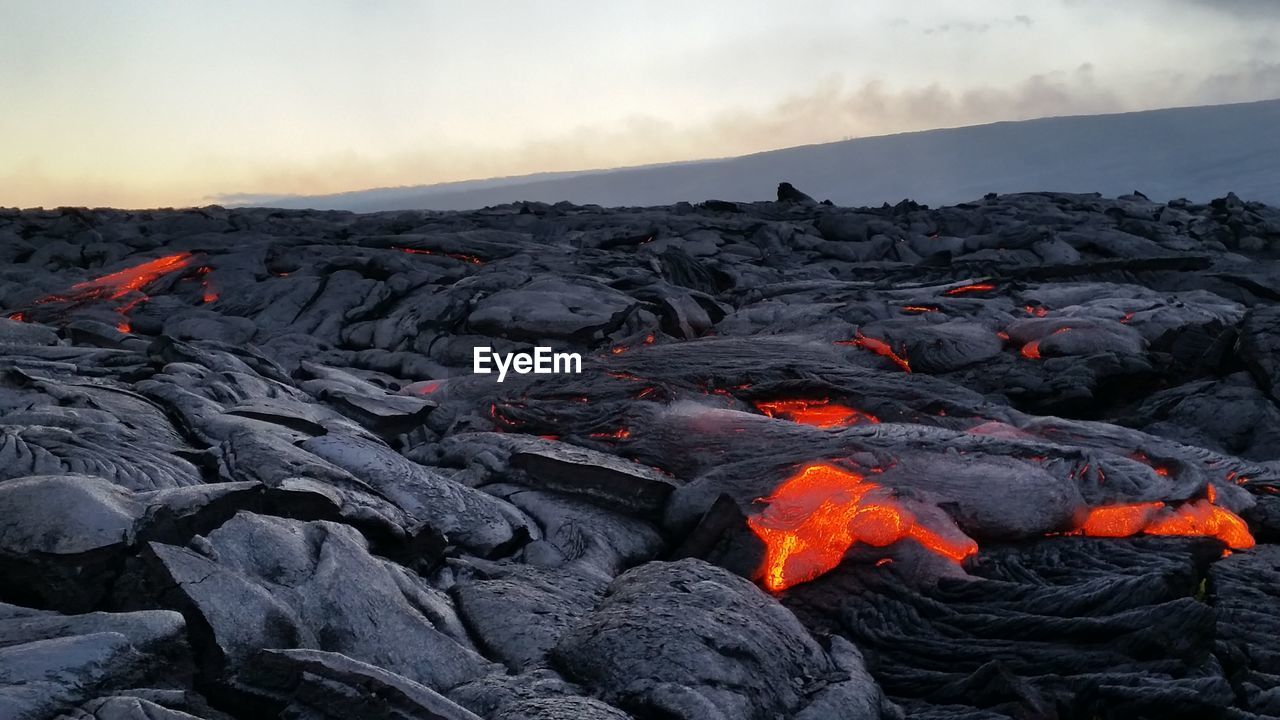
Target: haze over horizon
[{"x": 135, "y": 104}]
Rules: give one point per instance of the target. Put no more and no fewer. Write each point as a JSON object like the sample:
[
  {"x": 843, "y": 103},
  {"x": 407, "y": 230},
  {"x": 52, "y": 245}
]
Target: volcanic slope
[{"x": 1015, "y": 458}]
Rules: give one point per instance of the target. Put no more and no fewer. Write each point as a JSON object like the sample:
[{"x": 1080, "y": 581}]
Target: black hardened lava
[{"x": 1017, "y": 458}]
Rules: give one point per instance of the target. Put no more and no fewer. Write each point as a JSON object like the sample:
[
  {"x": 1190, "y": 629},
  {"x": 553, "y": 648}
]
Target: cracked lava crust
[{"x": 1016, "y": 458}]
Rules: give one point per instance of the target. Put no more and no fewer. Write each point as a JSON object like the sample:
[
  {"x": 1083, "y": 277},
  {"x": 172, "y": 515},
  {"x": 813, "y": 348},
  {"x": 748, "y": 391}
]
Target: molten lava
[
  {"x": 817, "y": 514},
  {"x": 1116, "y": 521},
  {"x": 619, "y": 434},
  {"x": 878, "y": 347},
  {"x": 1160, "y": 469},
  {"x": 121, "y": 283},
  {"x": 973, "y": 288},
  {"x": 1196, "y": 518},
  {"x": 428, "y": 388},
  {"x": 500, "y": 418},
  {"x": 207, "y": 292},
  {"x": 456, "y": 256},
  {"x": 1031, "y": 350},
  {"x": 821, "y": 413},
  {"x": 916, "y": 309}
]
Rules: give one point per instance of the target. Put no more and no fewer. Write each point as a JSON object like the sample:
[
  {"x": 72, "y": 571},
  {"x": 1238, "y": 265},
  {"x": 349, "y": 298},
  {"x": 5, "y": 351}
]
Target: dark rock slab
[
  {"x": 1068, "y": 628},
  {"x": 63, "y": 537},
  {"x": 597, "y": 476},
  {"x": 1244, "y": 591},
  {"x": 551, "y": 308},
  {"x": 480, "y": 522},
  {"x": 490, "y": 694},
  {"x": 1260, "y": 346},
  {"x": 317, "y": 684},
  {"x": 263, "y": 582},
  {"x": 582, "y": 536},
  {"x": 44, "y": 450},
  {"x": 517, "y": 613},
  {"x": 694, "y": 641},
  {"x": 560, "y": 709},
  {"x": 51, "y": 662},
  {"x": 125, "y": 708}
]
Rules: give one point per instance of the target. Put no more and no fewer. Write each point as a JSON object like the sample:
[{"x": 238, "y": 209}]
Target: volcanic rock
[
  {"x": 264, "y": 582},
  {"x": 50, "y": 662},
  {"x": 312, "y": 683},
  {"x": 714, "y": 634},
  {"x": 1014, "y": 458},
  {"x": 519, "y": 612}
]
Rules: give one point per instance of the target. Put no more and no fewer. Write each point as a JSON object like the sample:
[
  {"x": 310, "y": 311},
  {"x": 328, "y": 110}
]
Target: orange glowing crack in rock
[
  {"x": 121, "y": 283},
  {"x": 878, "y": 347},
  {"x": 973, "y": 288},
  {"x": 456, "y": 256},
  {"x": 817, "y": 514},
  {"x": 1160, "y": 469},
  {"x": 821, "y": 413},
  {"x": 619, "y": 434},
  {"x": 118, "y": 284},
  {"x": 207, "y": 292},
  {"x": 1031, "y": 350},
  {"x": 429, "y": 387}
]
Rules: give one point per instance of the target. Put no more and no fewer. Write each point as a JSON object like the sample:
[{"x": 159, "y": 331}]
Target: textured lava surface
[{"x": 1018, "y": 458}]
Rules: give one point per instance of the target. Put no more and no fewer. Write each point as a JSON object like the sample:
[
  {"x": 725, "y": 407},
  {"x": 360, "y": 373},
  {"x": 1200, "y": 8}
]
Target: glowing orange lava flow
[
  {"x": 816, "y": 515},
  {"x": 1197, "y": 518},
  {"x": 456, "y": 256},
  {"x": 121, "y": 283},
  {"x": 619, "y": 434},
  {"x": 207, "y": 292},
  {"x": 878, "y": 347},
  {"x": 975, "y": 287},
  {"x": 1031, "y": 350},
  {"x": 820, "y": 413}
]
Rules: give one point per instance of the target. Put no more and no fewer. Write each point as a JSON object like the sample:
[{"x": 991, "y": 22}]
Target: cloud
[
  {"x": 1255, "y": 80},
  {"x": 1243, "y": 8},
  {"x": 831, "y": 110},
  {"x": 960, "y": 26},
  {"x": 968, "y": 26}
]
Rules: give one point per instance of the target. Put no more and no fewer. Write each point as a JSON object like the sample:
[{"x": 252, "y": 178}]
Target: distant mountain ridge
[{"x": 1196, "y": 152}]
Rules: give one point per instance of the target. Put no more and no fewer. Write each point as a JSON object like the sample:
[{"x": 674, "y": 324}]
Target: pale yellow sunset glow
[{"x": 143, "y": 104}]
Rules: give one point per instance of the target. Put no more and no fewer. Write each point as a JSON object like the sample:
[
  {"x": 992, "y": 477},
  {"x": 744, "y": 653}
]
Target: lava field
[{"x": 1017, "y": 458}]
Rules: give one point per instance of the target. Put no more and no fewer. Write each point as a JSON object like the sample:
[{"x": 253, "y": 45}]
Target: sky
[{"x": 140, "y": 103}]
